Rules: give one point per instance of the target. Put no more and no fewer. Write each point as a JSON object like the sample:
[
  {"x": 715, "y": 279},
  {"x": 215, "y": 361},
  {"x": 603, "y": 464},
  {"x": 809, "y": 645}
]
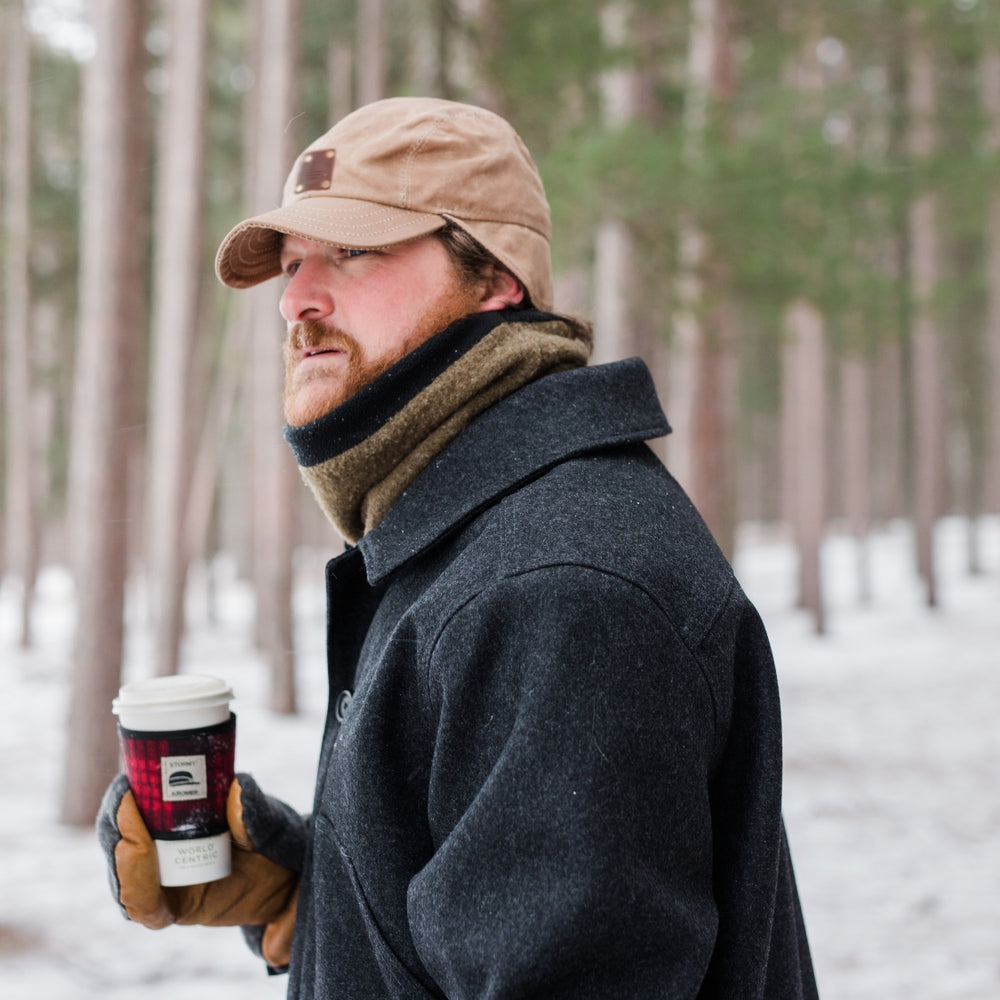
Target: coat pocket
[{"x": 373, "y": 949}]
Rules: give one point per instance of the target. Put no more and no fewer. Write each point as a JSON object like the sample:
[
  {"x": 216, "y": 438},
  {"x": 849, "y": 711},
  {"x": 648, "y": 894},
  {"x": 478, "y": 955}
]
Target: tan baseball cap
[{"x": 399, "y": 169}]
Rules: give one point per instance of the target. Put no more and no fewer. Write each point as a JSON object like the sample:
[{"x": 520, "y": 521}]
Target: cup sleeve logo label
[{"x": 184, "y": 778}]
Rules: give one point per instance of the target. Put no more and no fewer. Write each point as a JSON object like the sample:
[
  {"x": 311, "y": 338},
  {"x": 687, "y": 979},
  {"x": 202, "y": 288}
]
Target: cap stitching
[{"x": 406, "y": 173}]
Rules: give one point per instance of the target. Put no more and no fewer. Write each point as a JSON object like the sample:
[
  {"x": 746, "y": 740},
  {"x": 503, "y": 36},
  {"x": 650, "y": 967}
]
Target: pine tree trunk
[
  {"x": 23, "y": 514},
  {"x": 371, "y": 51},
  {"x": 276, "y": 478},
  {"x": 713, "y": 485},
  {"x": 856, "y": 423},
  {"x": 340, "y": 70},
  {"x": 805, "y": 409},
  {"x": 103, "y": 408},
  {"x": 45, "y": 331},
  {"x": 926, "y": 386},
  {"x": 703, "y": 380},
  {"x": 990, "y": 91},
  {"x": 888, "y": 495},
  {"x": 3, "y": 360},
  {"x": 215, "y": 437},
  {"x": 177, "y": 276},
  {"x": 615, "y": 335},
  {"x": 692, "y": 250}
]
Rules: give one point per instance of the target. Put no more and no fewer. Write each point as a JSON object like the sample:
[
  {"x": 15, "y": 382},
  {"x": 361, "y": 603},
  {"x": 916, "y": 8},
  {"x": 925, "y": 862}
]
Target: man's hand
[{"x": 262, "y": 890}]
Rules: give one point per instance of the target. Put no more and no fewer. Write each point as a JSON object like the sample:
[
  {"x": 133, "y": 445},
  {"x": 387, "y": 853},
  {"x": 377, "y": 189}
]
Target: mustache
[{"x": 309, "y": 334}]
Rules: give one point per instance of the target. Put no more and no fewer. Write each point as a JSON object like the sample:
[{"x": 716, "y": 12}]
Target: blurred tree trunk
[
  {"x": 220, "y": 443},
  {"x": 238, "y": 507},
  {"x": 276, "y": 480},
  {"x": 3, "y": 359},
  {"x": 615, "y": 335},
  {"x": 887, "y": 401},
  {"x": 926, "y": 386},
  {"x": 23, "y": 514},
  {"x": 805, "y": 408},
  {"x": 703, "y": 380},
  {"x": 713, "y": 472},
  {"x": 713, "y": 486},
  {"x": 990, "y": 92},
  {"x": 215, "y": 438},
  {"x": 372, "y": 50},
  {"x": 450, "y": 49},
  {"x": 176, "y": 280},
  {"x": 856, "y": 423},
  {"x": 806, "y": 459},
  {"x": 114, "y": 126},
  {"x": 465, "y": 29},
  {"x": 340, "y": 70},
  {"x": 891, "y": 401},
  {"x": 47, "y": 330},
  {"x": 692, "y": 248}
]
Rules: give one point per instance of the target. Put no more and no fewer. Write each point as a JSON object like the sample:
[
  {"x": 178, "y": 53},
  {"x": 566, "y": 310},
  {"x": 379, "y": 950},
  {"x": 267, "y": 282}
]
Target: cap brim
[{"x": 251, "y": 251}]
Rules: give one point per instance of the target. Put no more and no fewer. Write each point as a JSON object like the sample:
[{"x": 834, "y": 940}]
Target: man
[{"x": 552, "y": 763}]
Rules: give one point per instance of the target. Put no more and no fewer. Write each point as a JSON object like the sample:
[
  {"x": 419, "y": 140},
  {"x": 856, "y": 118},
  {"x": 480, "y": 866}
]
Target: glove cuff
[{"x": 275, "y": 829}]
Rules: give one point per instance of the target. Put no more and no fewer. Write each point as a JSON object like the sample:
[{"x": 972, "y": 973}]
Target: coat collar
[{"x": 548, "y": 421}]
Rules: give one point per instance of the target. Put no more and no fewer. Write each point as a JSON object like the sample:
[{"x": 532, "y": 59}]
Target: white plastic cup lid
[{"x": 181, "y": 701}]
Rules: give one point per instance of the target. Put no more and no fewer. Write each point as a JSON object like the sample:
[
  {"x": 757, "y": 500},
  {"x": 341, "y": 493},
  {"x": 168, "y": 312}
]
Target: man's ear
[{"x": 501, "y": 291}]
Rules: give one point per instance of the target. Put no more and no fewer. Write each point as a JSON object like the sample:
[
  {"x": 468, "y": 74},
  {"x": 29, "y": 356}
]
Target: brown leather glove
[{"x": 261, "y": 892}]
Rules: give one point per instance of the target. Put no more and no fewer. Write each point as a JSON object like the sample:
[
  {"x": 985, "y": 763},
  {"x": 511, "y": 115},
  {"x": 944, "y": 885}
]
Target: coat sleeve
[{"x": 568, "y": 801}]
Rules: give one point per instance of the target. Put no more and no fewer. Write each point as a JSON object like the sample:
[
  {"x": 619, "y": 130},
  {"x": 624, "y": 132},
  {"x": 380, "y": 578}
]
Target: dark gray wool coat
[{"x": 559, "y": 772}]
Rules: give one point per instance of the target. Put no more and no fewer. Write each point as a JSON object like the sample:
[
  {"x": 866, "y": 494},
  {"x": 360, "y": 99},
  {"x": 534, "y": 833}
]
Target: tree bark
[
  {"x": 114, "y": 126},
  {"x": 372, "y": 73},
  {"x": 856, "y": 424},
  {"x": 276, "y": 479},
  {"x": 888, "y": 384},
  {"x": 3, "y": 360},
  {"x": 713, "y": 487},
  {"x": 703, "y": 370},
  {"x": 614, "y": 334},
  {"x": 23, "y": 515},
  {"x": 806, "y": 460},
  {"x": 340, "y": 69},
  {"x": 177, "y": 277},
  {"x": 990, "y": 93},
  {"x": 926, "y": 386},
  {"x": 215, "y": 437},
  {"x": 692, "y": 247}
]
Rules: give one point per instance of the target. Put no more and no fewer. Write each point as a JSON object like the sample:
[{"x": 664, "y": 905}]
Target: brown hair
[{"x": 474, "y": 263}]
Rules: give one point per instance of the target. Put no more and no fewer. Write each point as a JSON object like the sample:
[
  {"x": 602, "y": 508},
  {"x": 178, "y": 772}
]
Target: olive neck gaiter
[{"x": 360, "y": 457}]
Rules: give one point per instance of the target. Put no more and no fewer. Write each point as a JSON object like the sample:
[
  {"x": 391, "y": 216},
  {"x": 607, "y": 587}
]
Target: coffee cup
[{"x": 178, "y": 742}]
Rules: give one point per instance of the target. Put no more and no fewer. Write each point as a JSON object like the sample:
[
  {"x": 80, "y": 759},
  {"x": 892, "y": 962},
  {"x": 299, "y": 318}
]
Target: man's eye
[
  {"x": 290, "y": 269},
  {"x": 351, "y": 252}
]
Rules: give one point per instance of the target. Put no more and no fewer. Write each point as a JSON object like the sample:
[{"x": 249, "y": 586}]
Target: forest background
[{"x": 792, "y": 212}]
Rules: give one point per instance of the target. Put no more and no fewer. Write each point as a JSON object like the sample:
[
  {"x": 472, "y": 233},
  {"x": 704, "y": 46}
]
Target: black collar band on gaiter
[{"x": 369, "y": 409}]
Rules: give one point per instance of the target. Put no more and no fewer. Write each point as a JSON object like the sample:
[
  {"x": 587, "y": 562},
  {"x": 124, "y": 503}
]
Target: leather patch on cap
[{"x": 315, "y": 171}]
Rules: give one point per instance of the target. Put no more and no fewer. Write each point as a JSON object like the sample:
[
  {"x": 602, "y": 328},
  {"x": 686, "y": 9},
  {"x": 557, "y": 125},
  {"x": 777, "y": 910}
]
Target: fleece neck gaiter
[{"x": 360, "y": 457}]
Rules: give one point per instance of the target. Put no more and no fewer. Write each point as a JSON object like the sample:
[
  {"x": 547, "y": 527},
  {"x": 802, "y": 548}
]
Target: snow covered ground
[{"x": 892, "y": 795}]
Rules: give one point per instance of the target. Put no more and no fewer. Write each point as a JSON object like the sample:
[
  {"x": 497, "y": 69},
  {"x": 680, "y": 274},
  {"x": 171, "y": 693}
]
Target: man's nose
[{"x": 307, "y": 294}]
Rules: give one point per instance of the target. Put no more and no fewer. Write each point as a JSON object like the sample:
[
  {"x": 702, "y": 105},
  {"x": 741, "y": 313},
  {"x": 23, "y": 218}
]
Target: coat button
[{"x": 342, "y": 704}]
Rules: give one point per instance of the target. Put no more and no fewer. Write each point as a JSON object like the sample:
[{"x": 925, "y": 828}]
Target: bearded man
[{"x": 551, "y": 766}]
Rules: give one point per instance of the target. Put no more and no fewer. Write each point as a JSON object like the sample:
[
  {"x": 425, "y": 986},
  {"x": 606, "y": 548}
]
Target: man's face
[{"x": 351, "y": 314}]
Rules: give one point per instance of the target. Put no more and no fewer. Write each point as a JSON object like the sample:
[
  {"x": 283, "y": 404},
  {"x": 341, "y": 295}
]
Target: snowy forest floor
[{"x": 892, "y": 787}]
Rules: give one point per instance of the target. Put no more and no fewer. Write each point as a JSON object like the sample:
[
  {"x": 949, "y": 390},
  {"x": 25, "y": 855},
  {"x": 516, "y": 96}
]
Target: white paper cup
[{"x": 177, "y": 738}]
